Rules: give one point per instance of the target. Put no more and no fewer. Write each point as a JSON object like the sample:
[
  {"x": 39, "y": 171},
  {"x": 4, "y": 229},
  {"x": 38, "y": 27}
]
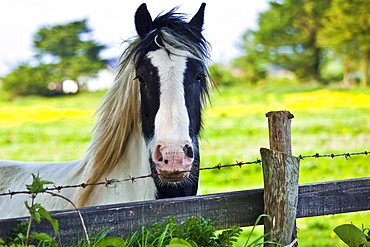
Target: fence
[{"x": 240, "y": 208}]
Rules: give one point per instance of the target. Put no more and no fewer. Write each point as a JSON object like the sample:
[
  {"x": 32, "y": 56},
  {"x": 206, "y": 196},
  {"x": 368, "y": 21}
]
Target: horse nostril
[
  {"x": 188, "y": 151},
  {"x": 166, "y": 162},
  {"x": 160, "y": 159}
]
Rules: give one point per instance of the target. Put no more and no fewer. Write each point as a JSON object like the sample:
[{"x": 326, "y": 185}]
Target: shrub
[{"x": 26, "y": 80}]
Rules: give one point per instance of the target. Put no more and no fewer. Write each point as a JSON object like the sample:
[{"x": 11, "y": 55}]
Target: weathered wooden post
[{"x": 280, "y": 172}]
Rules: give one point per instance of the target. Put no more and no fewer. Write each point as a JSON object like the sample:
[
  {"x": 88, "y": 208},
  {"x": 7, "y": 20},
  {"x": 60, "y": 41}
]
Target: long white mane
[
  {"x": 117, "y": 151},
  {"x": 117, "y": 133}
]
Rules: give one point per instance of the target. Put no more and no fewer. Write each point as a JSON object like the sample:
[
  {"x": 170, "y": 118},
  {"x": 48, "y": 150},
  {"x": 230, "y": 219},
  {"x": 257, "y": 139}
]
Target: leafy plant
[
  {"x": 22, "y": 234},
  {"x": 20, "y": 230},
  {"x": 192, "y": 232},
  {"x": 353, "y": 236},
  {"x": 36, "y": 211}
]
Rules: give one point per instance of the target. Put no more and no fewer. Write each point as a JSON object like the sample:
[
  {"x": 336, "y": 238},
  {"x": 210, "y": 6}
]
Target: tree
[
  {"x": 253, "y": 67},
  {"x": 347, "y": 32},
  {"x": 26, "y": 80},
  {"x": 287, "y": 36},
  {"x": 70, "y": 48},
  {"x": 62, "y": 52}
]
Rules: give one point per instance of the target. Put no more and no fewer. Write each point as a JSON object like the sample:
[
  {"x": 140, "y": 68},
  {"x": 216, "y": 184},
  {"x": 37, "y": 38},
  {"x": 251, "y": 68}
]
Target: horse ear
[
  {"x": 143, "y": 21},
  {"x": 198, "y": 19}
]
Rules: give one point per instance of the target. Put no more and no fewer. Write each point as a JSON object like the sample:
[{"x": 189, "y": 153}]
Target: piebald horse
[{"x": 148, "y": 122}]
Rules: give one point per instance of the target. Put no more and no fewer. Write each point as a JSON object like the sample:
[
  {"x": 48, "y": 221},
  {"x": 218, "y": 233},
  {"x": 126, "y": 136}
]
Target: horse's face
[
  {"x": 170, "y": 88},
  {"x": 170, "y": 93}
]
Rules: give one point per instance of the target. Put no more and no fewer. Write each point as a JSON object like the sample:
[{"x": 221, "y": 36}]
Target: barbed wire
[
  {"x": 346, "y": 155},
  {"x": 112, "y": 182}
]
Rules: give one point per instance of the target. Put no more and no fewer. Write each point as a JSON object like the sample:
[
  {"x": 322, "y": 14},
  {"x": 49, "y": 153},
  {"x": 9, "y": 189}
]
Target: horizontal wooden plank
[
  {"x": 129, "y": 217},
  {"x": 334, "y": 197},
  {"x": 239, "y": 208}
]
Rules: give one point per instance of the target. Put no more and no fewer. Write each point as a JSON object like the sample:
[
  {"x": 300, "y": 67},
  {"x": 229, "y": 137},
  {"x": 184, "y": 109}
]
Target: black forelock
[
  {"x": 170, "y": 19},
  {"x": 173, "y": 29}
]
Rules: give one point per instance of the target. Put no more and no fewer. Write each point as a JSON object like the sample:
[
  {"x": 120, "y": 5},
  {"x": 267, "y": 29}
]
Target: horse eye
[{"x": 199, "y": 77}]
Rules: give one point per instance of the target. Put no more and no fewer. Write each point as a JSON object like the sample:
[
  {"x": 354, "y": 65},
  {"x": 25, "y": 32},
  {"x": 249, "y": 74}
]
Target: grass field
[{"x": 327, "y": 120}]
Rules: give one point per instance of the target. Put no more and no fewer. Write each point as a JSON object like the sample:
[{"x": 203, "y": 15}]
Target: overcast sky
[{"x": 113, "y": 21}]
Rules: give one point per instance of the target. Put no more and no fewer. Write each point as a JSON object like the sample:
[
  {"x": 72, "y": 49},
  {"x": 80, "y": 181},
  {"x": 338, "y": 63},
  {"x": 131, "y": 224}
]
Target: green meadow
[{"x": 326, "y": 120}]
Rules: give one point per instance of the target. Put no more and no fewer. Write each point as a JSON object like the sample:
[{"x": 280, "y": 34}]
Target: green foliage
[
  {"x": 26, "y": 80},
  {"x": 305, "y": 37},
  {"x": 37, "y": 185},
  {"x": 75, "y": 54},
  {"x": 35, "y": 209},
  {"x": 192, "y": 232},
  {"x": 287, "y": 36},
  {"x": 347, "y": 27},
  {"x": 176, "y": 242},
  {"x": 353, "y": 236},
  {"x": 252, "y": 64},
  {"x": 44, "y": 238},
  {"x": 221, "y": 75},
  {"x": 62, "y": 52},
  {"x": 111, "y": 242},
  {"x": 19, "y": 231},
  {"x": 347, "y": 33},
  {"x": 22, "y": 234}
]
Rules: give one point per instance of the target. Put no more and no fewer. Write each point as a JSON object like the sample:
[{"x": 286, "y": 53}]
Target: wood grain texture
[
  {"x": 279, "y": 124},
  {"x": 280, "y": 172},
  {"x": 239, "y": 208},
  {"x": 280, "y": 175}
]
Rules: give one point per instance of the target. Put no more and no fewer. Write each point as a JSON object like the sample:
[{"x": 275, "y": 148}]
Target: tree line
[{"x": 306, "y": 37}]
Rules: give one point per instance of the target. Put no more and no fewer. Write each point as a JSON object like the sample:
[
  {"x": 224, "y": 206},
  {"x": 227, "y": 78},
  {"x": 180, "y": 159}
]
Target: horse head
[{"x": 171, "y": 72}]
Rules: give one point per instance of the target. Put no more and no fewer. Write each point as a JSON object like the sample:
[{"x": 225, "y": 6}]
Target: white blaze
[{"x": 172, "y": 120}]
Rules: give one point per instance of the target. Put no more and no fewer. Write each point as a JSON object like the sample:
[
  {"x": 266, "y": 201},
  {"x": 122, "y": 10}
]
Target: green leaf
[
  {"x": 47, "y": 216},
  {"x": 351, "y": 235},
  {"x": 43, "y": 237},
  {"x": 34, "y": 211},
  {"x": 111, "y": 242},
  {"x": 36, "y": 216},
  {"x": 37, "y": 185},
  {"x": 177, "y": 242},
  {"x": 193, "y": 243},
  {"x": 37, "y": 211}
]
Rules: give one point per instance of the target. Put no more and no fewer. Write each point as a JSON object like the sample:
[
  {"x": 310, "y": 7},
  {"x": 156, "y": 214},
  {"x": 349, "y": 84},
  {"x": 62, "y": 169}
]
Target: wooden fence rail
[{"x": 240, "y": 208}]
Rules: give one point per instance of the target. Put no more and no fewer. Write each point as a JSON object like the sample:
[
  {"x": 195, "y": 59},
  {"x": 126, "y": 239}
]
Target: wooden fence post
[{"x": 280, "y": 172}]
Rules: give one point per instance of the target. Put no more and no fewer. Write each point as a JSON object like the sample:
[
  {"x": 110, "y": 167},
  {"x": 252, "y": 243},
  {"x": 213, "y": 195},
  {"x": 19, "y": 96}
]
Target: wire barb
[
  {"x": 113, "y": 182},
  {"x": 346, "y": 155}
]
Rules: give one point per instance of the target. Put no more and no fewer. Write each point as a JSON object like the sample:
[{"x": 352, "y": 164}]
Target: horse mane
[
  {"x": 119, "y": 114},
  {"x": 117, "y": 120}
]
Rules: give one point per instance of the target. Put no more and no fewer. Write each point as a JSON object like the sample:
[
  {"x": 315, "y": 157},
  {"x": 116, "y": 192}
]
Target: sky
[{"x": 112, "y": 21}]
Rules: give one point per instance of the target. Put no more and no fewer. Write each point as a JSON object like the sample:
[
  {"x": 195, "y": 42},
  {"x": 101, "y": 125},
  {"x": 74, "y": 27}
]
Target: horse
[{"x": 148, "y": 123}]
